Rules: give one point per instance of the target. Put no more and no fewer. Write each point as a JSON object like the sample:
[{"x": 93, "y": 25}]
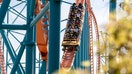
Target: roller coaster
[
  {"x": 73, "y": 33},
  {"x": 39, "y": 15}
]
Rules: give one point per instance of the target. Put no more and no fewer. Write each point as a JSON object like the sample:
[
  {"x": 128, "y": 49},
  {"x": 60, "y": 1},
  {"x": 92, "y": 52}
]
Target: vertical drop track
[
  {"x": 2, "y": 62},
  {"x": 71, "y": 46}
]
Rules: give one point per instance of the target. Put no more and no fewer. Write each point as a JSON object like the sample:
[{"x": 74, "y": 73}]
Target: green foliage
[{"x": 120, "y": 45}]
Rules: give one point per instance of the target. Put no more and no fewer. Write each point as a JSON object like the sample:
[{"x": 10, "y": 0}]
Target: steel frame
[
  {"x": 29, "y": 39},
  {"x": 28, "y": 43}
]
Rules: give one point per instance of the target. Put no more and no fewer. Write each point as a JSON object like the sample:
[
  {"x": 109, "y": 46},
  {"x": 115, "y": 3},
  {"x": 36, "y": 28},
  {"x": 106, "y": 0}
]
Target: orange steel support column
[
  {"x": 91, "y": 44},
  {"x": 91, "y": 36},
  {"x": 93, "y": 19},
  {"x": 77, "y": 2},
  {"x": 80, "y": 1},
  {"x": 41, "y": 34},
  {"x": 97, "y": 37},
  {"x": 2, "y": 63},
  {"x": 0, "y": 1}
]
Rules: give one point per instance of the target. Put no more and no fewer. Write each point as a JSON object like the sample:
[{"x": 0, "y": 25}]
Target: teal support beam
[
  {"x": 46, "y": 15},
  {"x": 30, "y": 52},
  {"x": 11, "y": 9},
  {"x": 63, "y": 30},
  {"x": 12, "y": 53},
  {"x": 83, "y": 52},
  {"x": 44, "y": 63},
  {"x": 84, "y": 47},
  {"x": 67, "y": 2},
  {"x": 0, "y": 70},
  {"x": 30, "y": 39},
  {"x": 13, "y": 27},
  {"x": 19, "y": 4},
  {"x": 112, "y": 5},
  {"x": 76, "y": 63},
  {"x": 3, "y": 9},
  {"x": 64, "y": 20},
  {"x": 43, "y": 68},
  {"x": 18, "y": 58},
  {"x": 19, "y": 14},
  {"x": 40, "y": 15},
  {"x": 54, "y": 37},
  {"x": 30, "y": 10},
  {"x": 112, "y": 9}
]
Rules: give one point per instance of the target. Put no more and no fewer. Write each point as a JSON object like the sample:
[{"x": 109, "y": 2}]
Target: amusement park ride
[{"x": 40, "y": 31}]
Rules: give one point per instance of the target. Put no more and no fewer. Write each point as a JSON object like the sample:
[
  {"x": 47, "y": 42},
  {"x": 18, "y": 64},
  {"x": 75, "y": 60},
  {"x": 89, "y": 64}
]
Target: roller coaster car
[
  {"x": 70, "y": 42},
  {"x": 74, "y": 26}
]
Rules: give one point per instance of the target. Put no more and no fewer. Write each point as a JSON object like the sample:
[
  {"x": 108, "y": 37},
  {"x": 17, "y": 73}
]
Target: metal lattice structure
[{"x": 30, "y": 34}]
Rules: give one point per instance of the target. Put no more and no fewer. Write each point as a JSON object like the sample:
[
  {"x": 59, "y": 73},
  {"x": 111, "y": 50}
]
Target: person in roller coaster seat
[
  {"x": 70, "y": 29},
  {"x": 73, "y": 7},
  {"x": 76, "y": 32},
  {"x": 79, "y": 15},
  {"x": 66, "y": 36},
  {"x": 77, "y": 22},
  {"x": 80, "y": 7},
  {"x": 67, "y": 32},
  {"x": 72, "y": 15},
  {"x": 71, "y": 22}
]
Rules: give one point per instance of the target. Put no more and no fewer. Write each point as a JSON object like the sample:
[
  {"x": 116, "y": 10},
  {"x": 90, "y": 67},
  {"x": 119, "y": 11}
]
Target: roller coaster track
[
  {"x": 70, "y": 46},
  {"x": 91, "y": 20},
  {"x": 2, "y": 62},
  {"x": 98, "y": 42},
  {"x": 68, "y": 55}
]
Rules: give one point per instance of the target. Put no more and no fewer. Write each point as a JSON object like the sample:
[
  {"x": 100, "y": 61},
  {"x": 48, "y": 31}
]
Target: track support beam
[
  {"x": 18, "y": 58},
  {"x": 112, "y": 5},
  {"x": 3, "y": 9},
  {"x": 11, "y": 51},
  {"x": 40, "y": 15},
  {"x": 54, "y": 37},
  {"x": 30, "y": 38}
]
